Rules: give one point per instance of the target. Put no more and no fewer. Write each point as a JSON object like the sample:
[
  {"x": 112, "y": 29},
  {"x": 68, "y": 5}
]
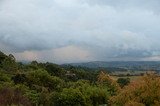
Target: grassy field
[
  {"x": 133, "y": 75},
  {"x": 132, "y": 78}
]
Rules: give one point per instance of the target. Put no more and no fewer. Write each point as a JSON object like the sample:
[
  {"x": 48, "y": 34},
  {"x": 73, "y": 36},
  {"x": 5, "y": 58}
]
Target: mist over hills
[{"x": 125, "y": 65}]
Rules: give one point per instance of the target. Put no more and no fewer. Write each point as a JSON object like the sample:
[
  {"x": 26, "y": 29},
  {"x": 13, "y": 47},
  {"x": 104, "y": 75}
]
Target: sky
[{"x": 69, "y": 31}]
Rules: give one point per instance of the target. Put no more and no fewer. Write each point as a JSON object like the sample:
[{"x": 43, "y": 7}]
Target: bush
[{"x": 68, "y": 97}]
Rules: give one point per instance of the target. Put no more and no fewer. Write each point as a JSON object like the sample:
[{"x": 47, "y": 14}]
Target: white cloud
[
  {"x": 72, "y": 53},
  {"x": 65, "y": 54}
]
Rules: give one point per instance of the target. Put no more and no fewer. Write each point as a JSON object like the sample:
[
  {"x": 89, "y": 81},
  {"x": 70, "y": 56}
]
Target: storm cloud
[{"x": 80, "y": 30}]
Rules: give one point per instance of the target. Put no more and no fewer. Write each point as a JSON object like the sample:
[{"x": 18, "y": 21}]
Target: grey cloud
[
  {"x": 107, "y": 29},
  {"x": 152, "y": 5}
]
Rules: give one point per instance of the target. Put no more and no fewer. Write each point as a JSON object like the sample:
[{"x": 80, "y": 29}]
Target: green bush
[{"x": 68, "y": 97}]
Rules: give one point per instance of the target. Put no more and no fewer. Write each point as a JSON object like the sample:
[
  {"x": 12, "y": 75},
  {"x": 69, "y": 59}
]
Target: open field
[
  {"x": 132, "y": 78},
  {"x": 133, "y": 75}
]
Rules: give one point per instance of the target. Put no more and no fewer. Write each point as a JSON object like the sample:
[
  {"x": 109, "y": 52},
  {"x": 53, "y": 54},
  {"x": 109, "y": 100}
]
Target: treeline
[{"x": 48, "y": 84}]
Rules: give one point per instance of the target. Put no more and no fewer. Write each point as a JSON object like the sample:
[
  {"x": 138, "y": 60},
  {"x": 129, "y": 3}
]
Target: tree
[
  {"x": 96, "y": 96},
  {"x": 12, "y": 96},
  {"x": 104, "y": 80},
  {"x": 2, "y": 57},
  {"x": 54, "y": 70},
  {"x": 9, "y": 64},
  {"x": 19, "y": 78},
  {"x": 44, "y": 79},
  {"x": 123, "y": 82},
  {"x": 144, "y": 91},
  {"x": 68, "y": 97}
]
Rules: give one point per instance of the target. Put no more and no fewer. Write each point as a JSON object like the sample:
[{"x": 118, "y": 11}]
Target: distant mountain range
[{"x": 127, "y": 65}]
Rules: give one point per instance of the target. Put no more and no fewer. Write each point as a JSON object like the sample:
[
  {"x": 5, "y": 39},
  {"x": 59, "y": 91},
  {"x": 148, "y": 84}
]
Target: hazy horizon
[
  {"x": 80, "y": 30},
  {"x": 81, "y": 62}
]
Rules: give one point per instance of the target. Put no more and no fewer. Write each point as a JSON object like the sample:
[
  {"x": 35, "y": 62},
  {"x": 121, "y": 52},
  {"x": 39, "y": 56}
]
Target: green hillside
[{"x": 48, "y": 84}]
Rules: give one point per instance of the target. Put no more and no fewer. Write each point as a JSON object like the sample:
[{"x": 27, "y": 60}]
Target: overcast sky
[{"x": 64, "y": 31}]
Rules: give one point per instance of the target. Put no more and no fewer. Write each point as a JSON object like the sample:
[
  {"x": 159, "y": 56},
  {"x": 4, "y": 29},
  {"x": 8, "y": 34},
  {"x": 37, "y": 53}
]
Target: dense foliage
[{"x": 48, "y": 84}]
